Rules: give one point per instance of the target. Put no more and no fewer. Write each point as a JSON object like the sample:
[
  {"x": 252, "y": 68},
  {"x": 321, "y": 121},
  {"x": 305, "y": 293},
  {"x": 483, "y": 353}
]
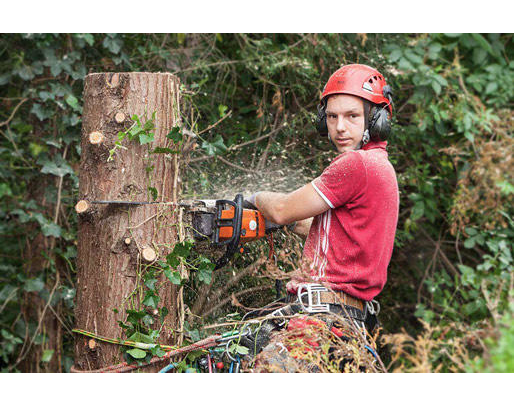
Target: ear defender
[
  {"x": 321, "y": 120},
  {"x": 379, "y": 124},
  {"x": 380, "y": 121}
]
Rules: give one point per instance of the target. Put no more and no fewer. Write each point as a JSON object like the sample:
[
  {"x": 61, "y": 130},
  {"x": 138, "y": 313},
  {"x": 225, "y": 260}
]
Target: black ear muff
[
  {"x": 321, "y": 120},
  {"x": 380, "y": 120},
  {"x": 379, "y": 124}
]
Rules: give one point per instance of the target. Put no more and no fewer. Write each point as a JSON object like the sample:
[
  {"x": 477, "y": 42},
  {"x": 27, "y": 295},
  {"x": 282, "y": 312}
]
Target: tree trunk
[
  {"x": 36, "y": 254},
  {"x": 115, "y": 242}
]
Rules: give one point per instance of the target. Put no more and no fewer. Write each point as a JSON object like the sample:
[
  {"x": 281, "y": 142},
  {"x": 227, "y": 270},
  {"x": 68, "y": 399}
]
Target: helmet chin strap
[
  {"x": 365, "y": 138},
  {"x": 365, "y": 135}
]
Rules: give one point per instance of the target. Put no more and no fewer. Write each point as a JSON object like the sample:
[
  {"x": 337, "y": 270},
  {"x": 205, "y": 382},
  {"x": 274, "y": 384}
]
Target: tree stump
[{"x": 113, "y": 239}]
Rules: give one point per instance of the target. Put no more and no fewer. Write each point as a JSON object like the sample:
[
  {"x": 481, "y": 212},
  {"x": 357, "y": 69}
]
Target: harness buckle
[
  {"x": 370, "y": 307},
  {"x": 279, "y": 314},
  {"x": 313, "y": 293}
]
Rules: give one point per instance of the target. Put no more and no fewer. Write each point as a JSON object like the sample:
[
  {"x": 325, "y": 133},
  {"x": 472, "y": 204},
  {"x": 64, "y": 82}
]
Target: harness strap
[{"x": 337, "y": 297}]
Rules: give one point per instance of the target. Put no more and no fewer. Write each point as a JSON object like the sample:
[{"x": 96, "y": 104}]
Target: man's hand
[
  {"x": 249, "y": 203},
  {"x": 302, "y": 227}
]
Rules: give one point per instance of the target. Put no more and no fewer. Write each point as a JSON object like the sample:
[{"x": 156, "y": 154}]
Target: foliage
[
  {"x": 251, "y": 100},
  {"x": 141, "y": 132},
  {"x": 499, "y": 357}
]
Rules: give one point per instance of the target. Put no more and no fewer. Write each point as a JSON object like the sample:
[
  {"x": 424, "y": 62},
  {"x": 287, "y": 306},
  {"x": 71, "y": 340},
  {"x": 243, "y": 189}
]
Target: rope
[
  {"x": 125, "y": 367},
  {"x": 168, "y": 368},
  {"x": 140, "y": 345}
]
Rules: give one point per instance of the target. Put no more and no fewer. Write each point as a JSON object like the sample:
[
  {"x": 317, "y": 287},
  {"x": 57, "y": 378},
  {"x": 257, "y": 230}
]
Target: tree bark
[
  {"x": 33, "y": 306},
  {"x": 111, "y": 237}
]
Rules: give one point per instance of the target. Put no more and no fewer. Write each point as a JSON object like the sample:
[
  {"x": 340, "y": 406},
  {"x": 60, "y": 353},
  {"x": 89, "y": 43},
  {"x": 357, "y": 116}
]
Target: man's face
[{"x": 345, "y": 121}]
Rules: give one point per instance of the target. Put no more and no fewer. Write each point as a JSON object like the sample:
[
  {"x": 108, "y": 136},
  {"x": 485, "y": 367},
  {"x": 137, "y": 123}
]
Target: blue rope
[
  {"x": 167, "y": 368},
  {"x": 371, "y": 351}
]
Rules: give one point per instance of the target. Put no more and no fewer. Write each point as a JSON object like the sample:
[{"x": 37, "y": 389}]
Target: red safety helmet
[{"x": 362, "y": 81}]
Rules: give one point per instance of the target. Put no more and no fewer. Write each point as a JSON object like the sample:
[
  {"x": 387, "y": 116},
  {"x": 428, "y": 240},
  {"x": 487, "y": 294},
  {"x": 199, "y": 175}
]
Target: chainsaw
[
  {"x": 226, "y": 223},
  {"x": 220, "y": 223}
]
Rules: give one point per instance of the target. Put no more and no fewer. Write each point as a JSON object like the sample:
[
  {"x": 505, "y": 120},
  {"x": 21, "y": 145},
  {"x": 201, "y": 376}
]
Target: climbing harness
[
  {"x": 313, "y": 294},
  {"x": 311, "y": 299}
]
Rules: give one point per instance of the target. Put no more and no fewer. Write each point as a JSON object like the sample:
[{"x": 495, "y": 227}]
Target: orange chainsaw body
[{"x": 253, "y": 225}]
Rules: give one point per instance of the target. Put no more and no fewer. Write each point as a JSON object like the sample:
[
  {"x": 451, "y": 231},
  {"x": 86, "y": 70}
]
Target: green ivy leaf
[
  {"x": 36, "y": 149},
  {"x": 58, "y": 167},
  {"x": 147, "y": 320},
  {"x": 173, "y": 276},
  {"x": 87, "y": 37},
  {"x": 112, "y": 43},
  {"x": 158, "y": 351},
  {"x": 242, "y": 350},
  {"x": 137, "y": 353},
  {"x": 150, "y": 283},
  {"x": 134, "y": 316},
  {"x": 175, "y": 134},
  {"x": 154, "y": 192},
  {"x": 469, "y": 243},
  {"x": 26, "y": 73},
  {"x": 47, "y": 355},
  {"x": 5, "y": 190},
  {"x": 182, "y": 249},
  {"x": 51, "y": 229},
  {"x": 418, "y": 210},
  {"x": 140, "y": 337},
  {"x": 172, "y": 260},
  {"x": 73, "y": 102},
  {"x": 145, "y": 138},
  {"x": 40, "y": 112},
  {"x": 216, "y": 147},
  {"x": 205, "y": 269},
  {"x": 34, "y": 285},
  {"x": 151, "y": 299}
]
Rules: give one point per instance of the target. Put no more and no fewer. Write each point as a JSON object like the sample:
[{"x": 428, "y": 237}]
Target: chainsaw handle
[
  {"x": 236, "y": 224},
  {"x": 249, "y": 205}
]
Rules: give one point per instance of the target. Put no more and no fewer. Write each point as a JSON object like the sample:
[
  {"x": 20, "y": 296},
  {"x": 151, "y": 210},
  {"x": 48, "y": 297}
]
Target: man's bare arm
[{"x": 298, "y": 205}]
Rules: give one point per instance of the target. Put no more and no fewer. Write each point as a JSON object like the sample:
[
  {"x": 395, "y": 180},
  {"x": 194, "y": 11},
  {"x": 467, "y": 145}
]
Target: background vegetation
[{"x": 449, "y": 301}]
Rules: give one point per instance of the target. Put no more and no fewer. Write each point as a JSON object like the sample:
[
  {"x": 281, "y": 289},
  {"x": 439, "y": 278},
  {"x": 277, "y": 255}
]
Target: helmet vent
[{"x": 367, "y": 87}]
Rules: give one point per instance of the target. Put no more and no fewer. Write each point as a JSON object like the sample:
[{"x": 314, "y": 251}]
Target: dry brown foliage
[
  {"x": 435, "y": 349},
  {"x": 478, "y": 198}
]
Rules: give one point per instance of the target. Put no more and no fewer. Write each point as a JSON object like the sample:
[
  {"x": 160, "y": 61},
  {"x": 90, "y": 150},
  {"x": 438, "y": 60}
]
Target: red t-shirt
[{"x": 350, "y": 245}]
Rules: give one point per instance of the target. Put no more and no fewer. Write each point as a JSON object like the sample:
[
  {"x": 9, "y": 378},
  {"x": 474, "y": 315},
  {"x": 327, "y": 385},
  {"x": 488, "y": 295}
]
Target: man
[{"x": 351, "y": 210}]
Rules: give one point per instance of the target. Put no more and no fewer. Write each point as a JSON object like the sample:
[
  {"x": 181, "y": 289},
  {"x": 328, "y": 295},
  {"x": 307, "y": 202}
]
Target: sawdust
[{"x": 224, "y": 182}]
